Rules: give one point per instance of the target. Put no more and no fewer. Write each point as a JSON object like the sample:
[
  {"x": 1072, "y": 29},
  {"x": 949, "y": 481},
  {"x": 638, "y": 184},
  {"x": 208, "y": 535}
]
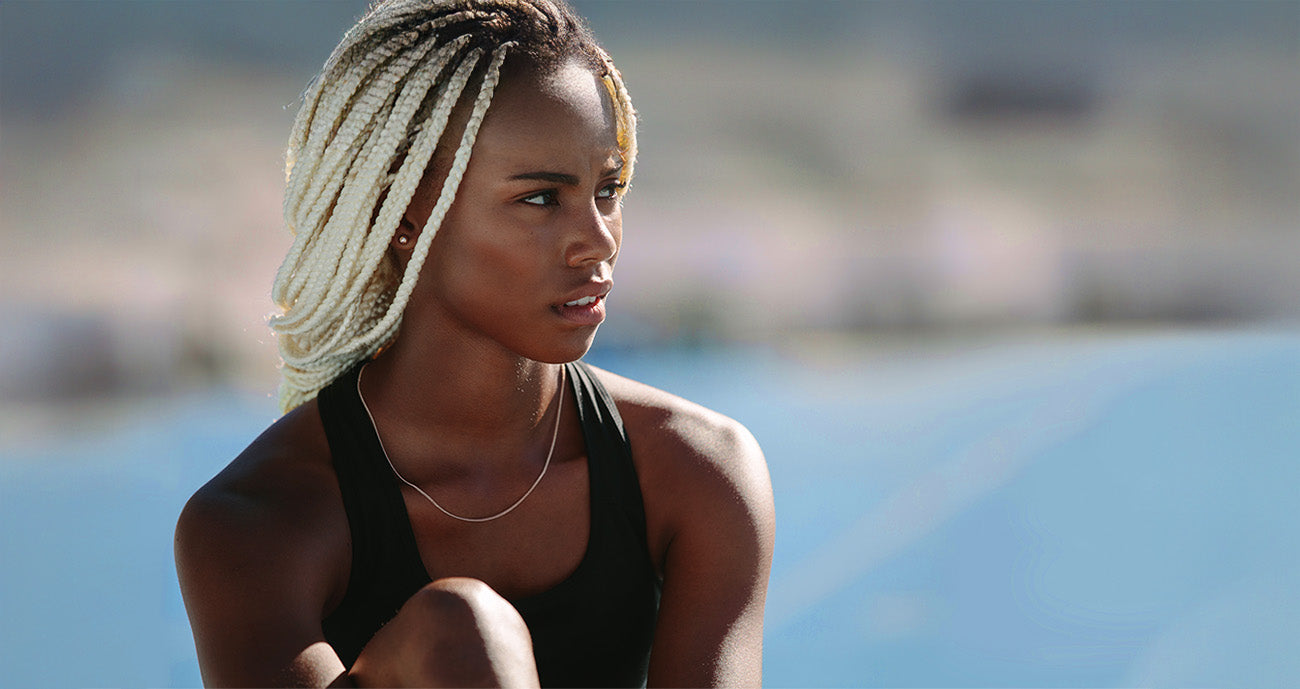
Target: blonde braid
[
  {"x": 329, "y": 148},
  {"x": 334, "y": 87},
  {"x": 322, "y": 342},
  {"x": 624, "y": 117},
  {"x": 298, "y": 361},
  {"x": 344, "y": 81},
  {"x": 322, "y": 178},
  {"x": 372, "y": 176}
]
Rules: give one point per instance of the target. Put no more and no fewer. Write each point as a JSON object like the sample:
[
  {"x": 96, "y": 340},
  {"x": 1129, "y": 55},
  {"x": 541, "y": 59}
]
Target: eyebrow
[{"x": 560, "y": 177}]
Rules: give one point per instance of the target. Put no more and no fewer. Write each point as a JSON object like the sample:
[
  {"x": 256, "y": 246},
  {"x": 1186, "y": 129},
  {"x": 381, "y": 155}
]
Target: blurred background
[{"x": 1008, "y": 291}]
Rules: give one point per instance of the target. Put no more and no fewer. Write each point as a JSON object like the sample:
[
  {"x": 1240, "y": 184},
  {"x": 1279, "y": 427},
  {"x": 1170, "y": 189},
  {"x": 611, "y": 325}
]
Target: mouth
[
  {"x": 583, "y": 301},
  {"x": 588, "y": 310}
]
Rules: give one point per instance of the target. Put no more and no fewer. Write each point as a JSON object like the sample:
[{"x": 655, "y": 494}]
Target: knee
[
  {"x": 460, "y": 592},
  {"x": 464, "y": 605},
  {"x": 464, "y": 621}
]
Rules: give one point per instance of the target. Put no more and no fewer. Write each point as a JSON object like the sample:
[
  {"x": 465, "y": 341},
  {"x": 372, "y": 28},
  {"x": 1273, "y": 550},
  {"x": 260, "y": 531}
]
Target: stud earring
[{"x": 403, "y": 240}]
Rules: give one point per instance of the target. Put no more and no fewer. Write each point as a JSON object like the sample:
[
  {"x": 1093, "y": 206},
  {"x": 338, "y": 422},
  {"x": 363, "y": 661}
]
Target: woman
[{"x": 450, "y": 499}]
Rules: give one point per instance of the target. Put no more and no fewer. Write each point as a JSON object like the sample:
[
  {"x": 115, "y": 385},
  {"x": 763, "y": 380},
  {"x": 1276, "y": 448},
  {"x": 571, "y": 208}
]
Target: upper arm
[
  {"x": 256, "y": 576},
  {"x": 708, "y": 493}
]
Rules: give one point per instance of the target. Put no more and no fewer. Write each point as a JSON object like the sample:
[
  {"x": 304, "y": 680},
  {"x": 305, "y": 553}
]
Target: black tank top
[{"x": 592, "y": 629}]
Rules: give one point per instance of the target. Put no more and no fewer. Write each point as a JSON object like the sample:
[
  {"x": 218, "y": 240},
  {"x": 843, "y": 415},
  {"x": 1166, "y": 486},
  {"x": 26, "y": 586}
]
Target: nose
[{"x": 594, "y": 236}]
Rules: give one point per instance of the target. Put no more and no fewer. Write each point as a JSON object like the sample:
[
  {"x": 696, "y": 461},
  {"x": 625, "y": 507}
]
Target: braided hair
[{"x": 367, "y": 129}]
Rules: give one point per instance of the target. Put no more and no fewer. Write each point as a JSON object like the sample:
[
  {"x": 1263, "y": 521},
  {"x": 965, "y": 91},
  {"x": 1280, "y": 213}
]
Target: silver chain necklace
[{"x": 558, "y": 408}]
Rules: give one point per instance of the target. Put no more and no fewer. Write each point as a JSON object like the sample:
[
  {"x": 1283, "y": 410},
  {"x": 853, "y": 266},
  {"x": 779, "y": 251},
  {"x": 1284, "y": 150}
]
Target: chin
[{"x": 565, "y": 352}]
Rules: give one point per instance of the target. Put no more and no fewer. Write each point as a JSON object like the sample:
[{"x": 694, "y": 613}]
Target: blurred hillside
[{"x": 913, "y": 166}]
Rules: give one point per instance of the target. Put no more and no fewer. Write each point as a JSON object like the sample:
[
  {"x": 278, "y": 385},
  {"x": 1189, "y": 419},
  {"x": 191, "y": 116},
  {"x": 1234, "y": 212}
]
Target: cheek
[
  {"x": 479, "y": 260},
  {"x": 511, "y": 263}
]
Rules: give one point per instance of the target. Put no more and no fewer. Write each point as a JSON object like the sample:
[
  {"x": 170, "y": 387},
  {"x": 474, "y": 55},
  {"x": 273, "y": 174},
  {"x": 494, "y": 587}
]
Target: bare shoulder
[
  {"x": 692, "y": 462},
  {"x": 264, "y": 546},
  {"x": 279, "y": 488},
  {"x": 676, "y": 430}
]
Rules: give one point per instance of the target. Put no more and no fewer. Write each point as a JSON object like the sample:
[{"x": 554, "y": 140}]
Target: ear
[
  {"x": 418, "y": 210},
  {"x": 404, "y": 239}
]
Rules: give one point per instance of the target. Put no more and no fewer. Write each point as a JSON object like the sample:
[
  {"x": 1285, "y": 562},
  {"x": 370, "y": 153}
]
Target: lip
[
  {"x": 590, "y": 314},
  {"x": 595, "y": 288}
]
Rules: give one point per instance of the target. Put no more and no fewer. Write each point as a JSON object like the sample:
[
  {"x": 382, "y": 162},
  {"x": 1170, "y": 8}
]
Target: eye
[
  {"x": 542, "y": 198},
  {"x": 611, "y": 190}
]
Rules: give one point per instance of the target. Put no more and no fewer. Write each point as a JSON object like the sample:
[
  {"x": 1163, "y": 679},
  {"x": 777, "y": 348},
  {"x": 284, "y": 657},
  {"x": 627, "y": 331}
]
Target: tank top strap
[
  {"x": 607, "y": 442},
  {"x": 386, "y": 566}
]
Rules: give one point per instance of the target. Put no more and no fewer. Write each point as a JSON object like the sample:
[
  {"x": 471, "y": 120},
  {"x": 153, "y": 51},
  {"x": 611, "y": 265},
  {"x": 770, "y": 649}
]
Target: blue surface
[{"x": 1090, "y": 510}]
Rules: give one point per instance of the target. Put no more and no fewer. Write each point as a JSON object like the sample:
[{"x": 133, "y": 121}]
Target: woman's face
[{"x": 535, "y": 228}]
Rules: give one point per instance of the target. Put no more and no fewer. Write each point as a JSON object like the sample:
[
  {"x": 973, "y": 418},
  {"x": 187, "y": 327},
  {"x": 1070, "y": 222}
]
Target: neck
[{"x": 440, "y": 381}]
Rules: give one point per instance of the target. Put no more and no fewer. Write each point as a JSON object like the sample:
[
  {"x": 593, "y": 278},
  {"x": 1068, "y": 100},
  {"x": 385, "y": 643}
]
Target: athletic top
[{"x": 592, "y": 629}]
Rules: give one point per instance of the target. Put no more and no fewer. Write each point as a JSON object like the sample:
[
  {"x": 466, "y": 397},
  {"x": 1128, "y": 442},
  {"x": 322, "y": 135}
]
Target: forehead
[{"x": 562, "y": 116}]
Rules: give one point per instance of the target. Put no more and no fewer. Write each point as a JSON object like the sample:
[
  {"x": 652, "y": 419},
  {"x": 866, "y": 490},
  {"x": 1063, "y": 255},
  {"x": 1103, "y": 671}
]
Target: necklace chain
[{"x": 559, "y": 406}]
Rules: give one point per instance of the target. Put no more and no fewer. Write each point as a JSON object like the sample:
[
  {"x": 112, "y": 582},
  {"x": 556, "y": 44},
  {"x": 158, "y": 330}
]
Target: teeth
[{"x": 581, "y": 302}]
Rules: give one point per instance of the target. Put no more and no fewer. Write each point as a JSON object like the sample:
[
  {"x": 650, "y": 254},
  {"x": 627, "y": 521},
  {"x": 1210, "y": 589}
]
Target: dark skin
[{"x": 465, "y": 402}]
